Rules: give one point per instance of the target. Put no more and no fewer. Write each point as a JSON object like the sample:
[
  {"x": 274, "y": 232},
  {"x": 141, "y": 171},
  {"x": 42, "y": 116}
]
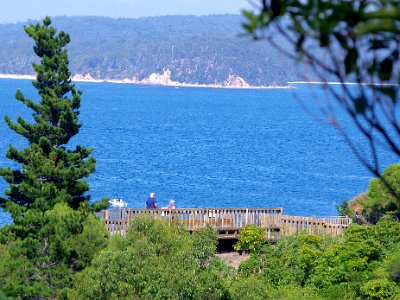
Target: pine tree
[
  {"x": 52, "y": 235},
  {"x": 48, "y": 172}
]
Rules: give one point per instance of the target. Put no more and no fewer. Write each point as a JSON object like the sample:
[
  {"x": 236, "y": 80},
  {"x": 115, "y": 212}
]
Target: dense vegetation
[
  {"x": 364, "y": 264},
  {"x": 161, "y": 261},
  {"x": 155, "y": 261},
  {"x": 191, "y": 47}
]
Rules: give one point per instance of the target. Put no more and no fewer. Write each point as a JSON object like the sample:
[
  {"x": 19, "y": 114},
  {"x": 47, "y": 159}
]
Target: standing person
[{"x": 151, "y": 202}]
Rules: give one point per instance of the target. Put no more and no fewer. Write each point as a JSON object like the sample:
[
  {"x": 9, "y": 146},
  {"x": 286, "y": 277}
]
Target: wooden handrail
[
  {"x": 275, "y": 209},
  {"x": 228, "y": 219}
]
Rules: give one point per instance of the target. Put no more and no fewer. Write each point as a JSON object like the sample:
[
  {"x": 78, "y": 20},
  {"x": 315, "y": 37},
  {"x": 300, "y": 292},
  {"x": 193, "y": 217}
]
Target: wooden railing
[
  {"x": 228, "y": 221},
  {"x": 313, "y": 225}
]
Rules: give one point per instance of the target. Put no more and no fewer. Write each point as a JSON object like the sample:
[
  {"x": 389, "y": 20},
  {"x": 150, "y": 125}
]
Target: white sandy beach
[
  {"x": 157, "y": 80},
  {"x": 14, "y": 76}
]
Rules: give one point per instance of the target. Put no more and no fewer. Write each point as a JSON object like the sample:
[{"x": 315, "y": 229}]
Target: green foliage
[
  {"x": 346, "y": 265},
  {"x": 249, "y": 287},
  {"x": 251, "y": 238},
  {"x": 3, "y": 297},
  {"x": 380, "y": 288},
  {"x": 43, "y": 265},
  {"x": 392, "y": 265},
  {"x": 387, "y": 232},
  {"x": 155, "y": 261},
  {"x": 291, "y": 261},
  {"x": 363, "y": 264},
  {"x": 294, "y": 292},
  {"x": 381, "y": 199},
  {"x": 252, "y": 266},
  {"x": 205, "y": 245},
  {"x": 96, "y": 206},
  {"x": 256, "y": 287},
  {"x": 159, "y": 261},
  {"x": 344, "y": 209},
  {"x": 350, "y": 267}
]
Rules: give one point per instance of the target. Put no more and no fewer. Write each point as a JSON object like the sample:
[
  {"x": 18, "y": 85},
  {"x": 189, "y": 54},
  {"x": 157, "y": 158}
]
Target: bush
[
  {"x": 251, "y": 238},
  {"x": 394, "y": 267},
  {"x": 294, "y": 292},
  {"x": 380, "y": 288},
  {"x": 252, "y": 287},
  {"x": 381, "y": 200},
  {"x": 205, "y": 242}
]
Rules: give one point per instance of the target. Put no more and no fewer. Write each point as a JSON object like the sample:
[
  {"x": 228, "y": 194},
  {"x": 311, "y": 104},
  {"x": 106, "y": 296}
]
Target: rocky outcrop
[
  {"x": 81, "y": 77},
  {"x": 235, "y": 82},
  {"x": 159, "y": 79}
]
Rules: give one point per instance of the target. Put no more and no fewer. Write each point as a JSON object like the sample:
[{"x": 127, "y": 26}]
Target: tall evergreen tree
[
  {"x": 52, "y": 236},
  {"x": 48, "y": 172}
]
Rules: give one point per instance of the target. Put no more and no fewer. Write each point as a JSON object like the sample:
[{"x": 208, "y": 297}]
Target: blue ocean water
[{"x": 207, "y": 147}]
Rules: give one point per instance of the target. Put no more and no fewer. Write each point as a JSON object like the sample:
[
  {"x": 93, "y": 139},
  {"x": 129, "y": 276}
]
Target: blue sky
[{"x": 21, "y": 10}]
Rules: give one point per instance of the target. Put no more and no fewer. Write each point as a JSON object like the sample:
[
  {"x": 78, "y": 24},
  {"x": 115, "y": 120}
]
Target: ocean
[{"x": 208, "y": 147}]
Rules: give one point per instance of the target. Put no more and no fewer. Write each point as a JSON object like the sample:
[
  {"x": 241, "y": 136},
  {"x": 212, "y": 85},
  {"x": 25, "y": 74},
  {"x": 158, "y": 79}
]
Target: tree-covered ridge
[{"x": 204, "y": 50}]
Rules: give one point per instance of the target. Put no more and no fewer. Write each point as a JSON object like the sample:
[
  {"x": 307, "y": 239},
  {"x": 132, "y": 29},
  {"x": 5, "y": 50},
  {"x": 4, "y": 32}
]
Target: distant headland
[{"x": 169, "y": 50}]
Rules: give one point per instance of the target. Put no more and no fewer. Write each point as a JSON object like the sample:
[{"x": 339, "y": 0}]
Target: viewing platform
[{"x": 228, "y": 221}]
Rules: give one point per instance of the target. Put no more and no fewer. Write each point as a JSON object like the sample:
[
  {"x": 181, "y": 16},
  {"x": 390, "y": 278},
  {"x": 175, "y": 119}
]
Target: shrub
[
  {"x": 380, "y": 288},
  {"x": 381, "y": 200},
  {"x": 251, "y": 238},
  {"x": 252, "y": 287}
]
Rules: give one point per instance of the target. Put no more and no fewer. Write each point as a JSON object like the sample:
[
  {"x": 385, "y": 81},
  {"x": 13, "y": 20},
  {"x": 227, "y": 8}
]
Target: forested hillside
[{"x": 204, "y": 50}]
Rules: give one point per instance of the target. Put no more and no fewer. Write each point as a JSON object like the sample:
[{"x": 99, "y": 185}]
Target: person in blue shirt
[{"x": 151, "y": 202}]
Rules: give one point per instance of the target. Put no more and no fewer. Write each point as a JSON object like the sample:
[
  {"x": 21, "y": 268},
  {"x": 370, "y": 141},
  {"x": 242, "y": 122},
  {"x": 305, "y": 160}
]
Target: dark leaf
[
  {"x": 385, "y": 69},
  {"x": 350, "y": 61},
  {"x": 276, "y": 7}
]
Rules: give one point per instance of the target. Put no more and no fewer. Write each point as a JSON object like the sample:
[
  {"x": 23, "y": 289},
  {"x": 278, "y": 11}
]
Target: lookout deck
[{"x": 228, "y": 221}]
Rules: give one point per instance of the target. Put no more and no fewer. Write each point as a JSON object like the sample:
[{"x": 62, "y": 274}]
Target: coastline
[
  {"x": 339, "y": 83},
  {"x": 164, "y": 80},
  {"x": 156, "y": 80}
]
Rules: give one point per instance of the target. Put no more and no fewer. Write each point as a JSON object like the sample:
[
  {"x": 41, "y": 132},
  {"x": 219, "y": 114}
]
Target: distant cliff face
[{"x": 197, "y": 50}]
